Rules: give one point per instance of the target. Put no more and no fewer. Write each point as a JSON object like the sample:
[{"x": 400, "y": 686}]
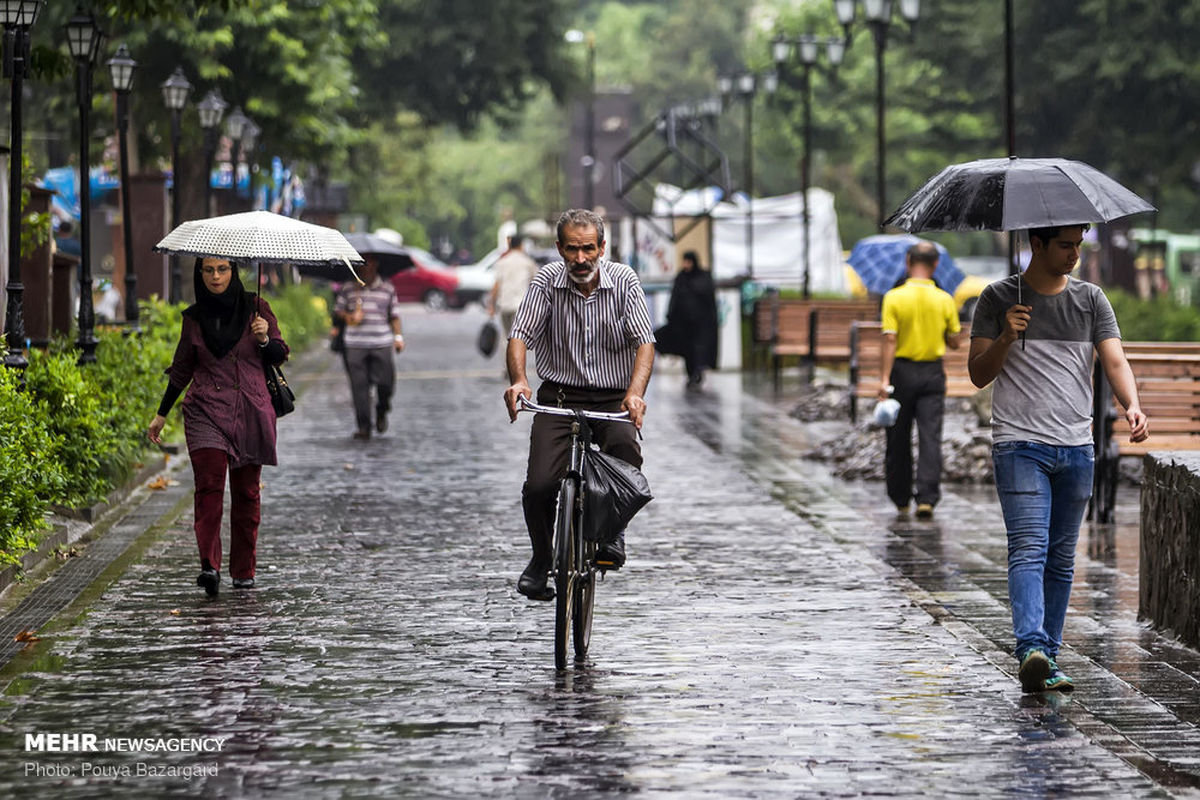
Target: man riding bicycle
[{"x": 585, "y": 319}]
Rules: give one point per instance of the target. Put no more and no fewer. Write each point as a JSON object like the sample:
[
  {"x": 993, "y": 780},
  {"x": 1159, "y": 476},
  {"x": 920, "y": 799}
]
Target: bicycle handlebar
[{"x": 525, "y": 404}]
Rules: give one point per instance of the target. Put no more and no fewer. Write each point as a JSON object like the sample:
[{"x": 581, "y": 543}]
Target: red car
[{"x": 421, "y": 280}]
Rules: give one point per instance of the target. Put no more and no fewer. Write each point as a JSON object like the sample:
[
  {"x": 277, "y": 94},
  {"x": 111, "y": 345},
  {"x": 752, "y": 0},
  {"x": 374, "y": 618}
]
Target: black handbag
[
  {"x": 489, "y": 334},
  {"x": 283, "y": 400}
]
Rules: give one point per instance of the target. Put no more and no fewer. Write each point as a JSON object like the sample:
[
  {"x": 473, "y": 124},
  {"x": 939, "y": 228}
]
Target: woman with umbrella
[{"x": 227, "y": 337}]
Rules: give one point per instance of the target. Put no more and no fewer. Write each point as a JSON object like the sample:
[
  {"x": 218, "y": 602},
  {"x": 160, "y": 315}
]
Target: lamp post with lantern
[
  {"x": 235, "y": 123},
  {"x": 18, "y": 17},
  {"x": 250, "y": 134},
  {"x": 807, "y": 48},
  {"x": 175, "y": 90},
  {"x": 878, "y": 15},
  {"x": 83, "y": 40},
  {"x": 210, "y": 109},
  {"x": 745, "y": 86},
  {"x": 121, "y": 68}
]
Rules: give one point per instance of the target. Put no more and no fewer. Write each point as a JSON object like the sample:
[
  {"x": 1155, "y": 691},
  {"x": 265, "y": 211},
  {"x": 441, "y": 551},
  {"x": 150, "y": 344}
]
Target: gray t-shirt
[{"x": 1044, "y": 391}]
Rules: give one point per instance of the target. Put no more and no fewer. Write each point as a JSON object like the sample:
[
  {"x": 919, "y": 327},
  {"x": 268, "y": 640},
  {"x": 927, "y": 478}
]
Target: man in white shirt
[{"x": 514, "y": 270}]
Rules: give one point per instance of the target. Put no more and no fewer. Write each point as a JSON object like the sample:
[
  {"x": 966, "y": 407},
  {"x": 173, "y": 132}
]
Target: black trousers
[
  {"x": 921, "y": 391},
  {"x": 549, "y": 454},
  {"x": 367, "y": 367}
]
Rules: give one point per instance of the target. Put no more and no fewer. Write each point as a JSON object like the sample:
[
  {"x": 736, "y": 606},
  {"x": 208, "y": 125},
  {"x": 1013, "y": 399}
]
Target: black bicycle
[{"x": 575, "y": 568}]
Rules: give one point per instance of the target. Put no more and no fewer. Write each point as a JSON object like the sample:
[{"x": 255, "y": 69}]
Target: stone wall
[{"x": 1169, "y": 593}]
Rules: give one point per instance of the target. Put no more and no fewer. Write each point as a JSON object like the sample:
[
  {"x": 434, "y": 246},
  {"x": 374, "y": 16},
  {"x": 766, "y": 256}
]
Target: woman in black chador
[{"x": 692, "y": 319}]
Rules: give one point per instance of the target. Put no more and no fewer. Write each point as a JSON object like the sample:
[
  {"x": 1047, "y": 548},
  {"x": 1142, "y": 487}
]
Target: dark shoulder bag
[{"x": 283, "y": 400}]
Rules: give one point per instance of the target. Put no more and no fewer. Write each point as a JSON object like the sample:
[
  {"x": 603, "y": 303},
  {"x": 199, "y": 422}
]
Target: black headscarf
[{"x": 222, "y": 317}]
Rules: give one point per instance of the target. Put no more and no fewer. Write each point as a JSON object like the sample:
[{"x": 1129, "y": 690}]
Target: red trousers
[{"x": 209, "y": 466}]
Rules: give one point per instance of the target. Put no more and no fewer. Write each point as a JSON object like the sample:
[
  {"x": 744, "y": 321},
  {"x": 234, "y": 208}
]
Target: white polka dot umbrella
[{"x": 259, "y": 236}]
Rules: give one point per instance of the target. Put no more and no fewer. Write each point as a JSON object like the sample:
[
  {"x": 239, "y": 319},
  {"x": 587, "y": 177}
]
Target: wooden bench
[
  {"x": 785, "y": 327},
  {"x": 1168, "y": 380},
  {"x": 866, "y": 344}
]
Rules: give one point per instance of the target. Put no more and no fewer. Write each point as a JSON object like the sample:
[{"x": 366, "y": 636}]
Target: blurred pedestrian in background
[
  {"x": 226, "y": 337},
  {"x": 691, "y": 329},
  {"x": 373, "y": 332},
  {"x": 514, "y": 271},
  {"x": 919, "y": 322}
]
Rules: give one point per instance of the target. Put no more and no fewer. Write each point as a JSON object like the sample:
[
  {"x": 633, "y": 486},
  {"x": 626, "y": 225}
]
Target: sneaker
[
  {"x": 1035, "y": 669},
  {"x": 1057, "y": 680},
  {"x": 243, "y": 583},
  {"x": 381, "y": 421},
  {"x": 210, "y": 581},
  {"x": 611, "y": 555},
  {"x": 533, "y": 582},
  {"x": 924, "y": 511},
  {"x": 902, "y": 510},
  {"x": 362, "y": 434}
]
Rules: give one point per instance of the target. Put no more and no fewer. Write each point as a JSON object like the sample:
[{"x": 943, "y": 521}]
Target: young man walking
[
  {"x": 1035, "y": 335},
  {"x": 919, "y": 323}
]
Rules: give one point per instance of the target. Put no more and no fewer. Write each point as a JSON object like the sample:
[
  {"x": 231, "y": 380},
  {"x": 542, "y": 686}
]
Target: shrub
[
  {"x": 31, "y": 477},
  {"x": 1158, "y": 320}
]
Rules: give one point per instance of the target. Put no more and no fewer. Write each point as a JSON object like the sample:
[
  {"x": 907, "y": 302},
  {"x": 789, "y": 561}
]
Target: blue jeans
[{"x": 1044, "y": 491}]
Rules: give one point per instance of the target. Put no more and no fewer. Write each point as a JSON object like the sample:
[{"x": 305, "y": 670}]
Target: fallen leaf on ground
[
  {"x": 27, "y": 636},
  {"x": 158, "y": 483},
  {"x": 175, "y": 611}
]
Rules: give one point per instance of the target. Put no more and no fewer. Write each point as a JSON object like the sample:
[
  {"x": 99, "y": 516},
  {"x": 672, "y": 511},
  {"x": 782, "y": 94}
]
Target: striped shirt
[
  {"x": 379, "y": 309},
  {"x": 587, "y": 342}
]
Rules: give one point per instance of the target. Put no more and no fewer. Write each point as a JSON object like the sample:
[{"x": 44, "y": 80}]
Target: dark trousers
[
  {"x": 367, "y": 367},
  {"x": 209, "y": 466},
  {"x": 921, "y": 391},
  {"x": 550, "y": 454}
]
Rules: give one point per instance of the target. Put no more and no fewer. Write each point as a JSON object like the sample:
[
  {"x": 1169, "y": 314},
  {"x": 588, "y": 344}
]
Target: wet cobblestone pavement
[{"x": 776, "y": 633}]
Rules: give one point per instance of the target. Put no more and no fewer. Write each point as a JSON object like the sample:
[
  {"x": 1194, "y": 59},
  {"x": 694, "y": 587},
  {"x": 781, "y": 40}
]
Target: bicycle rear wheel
[
  {"x": 585, "y": 597},
  {"x": 564, "y": 570}
]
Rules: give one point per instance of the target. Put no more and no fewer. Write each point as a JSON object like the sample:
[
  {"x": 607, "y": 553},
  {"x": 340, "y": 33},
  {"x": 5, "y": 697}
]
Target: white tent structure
[{"x": 777, "y": 233}]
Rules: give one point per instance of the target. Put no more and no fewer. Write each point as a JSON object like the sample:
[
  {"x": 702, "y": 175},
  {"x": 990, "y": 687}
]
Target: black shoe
[
  {"x": 243, "y": 583},
  {"x": 533, "y": 582},
  {"x": 362, "y": 433},
  {"x": 381, "y": 421},
  {"x": 210, "y": 581},
  {"x": 611, "y": 555}
]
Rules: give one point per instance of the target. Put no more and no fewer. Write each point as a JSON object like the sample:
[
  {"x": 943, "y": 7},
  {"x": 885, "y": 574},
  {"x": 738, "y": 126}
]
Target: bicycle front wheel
[
  {"x": 564, "y": 570},
  {"x": 585, "y": 597}
]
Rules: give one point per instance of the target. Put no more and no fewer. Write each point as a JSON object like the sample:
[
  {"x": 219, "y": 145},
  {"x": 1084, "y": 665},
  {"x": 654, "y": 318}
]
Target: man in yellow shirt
[{"x": 919, "y": 323}]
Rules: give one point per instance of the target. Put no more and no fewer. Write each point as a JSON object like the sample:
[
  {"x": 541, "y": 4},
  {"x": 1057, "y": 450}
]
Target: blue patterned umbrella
[{"x": 880, "y": 263}]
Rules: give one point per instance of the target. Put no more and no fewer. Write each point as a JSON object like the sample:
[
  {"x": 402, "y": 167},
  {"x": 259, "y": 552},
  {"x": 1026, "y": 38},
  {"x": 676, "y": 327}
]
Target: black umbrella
[
  {"x": 1009, "y": 194},
  {"x": 392, "y": 258}
]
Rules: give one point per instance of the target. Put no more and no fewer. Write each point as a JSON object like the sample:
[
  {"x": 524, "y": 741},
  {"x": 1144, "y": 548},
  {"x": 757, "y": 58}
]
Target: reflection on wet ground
[{"x": 773, "y": 635}]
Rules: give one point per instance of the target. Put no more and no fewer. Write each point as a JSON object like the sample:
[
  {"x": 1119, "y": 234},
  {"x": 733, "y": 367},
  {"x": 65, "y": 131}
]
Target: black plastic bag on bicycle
[{"x": 615, "y": 491}]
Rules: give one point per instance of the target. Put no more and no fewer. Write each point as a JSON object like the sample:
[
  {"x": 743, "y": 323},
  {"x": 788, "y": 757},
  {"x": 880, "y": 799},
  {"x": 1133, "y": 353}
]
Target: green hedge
[
  {"x": 75, "y": 433},
  {"x": 1158, "y": 320}
]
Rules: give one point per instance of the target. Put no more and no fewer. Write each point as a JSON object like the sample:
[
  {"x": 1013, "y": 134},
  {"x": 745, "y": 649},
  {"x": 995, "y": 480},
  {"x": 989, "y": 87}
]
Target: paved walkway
[{"x": 777, "y": 633}]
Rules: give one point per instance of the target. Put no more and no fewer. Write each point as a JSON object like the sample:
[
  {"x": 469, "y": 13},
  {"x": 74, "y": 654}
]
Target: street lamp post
[
  {"x": 878, "y": 14},
  {"x": 175, "y": 91},
  {"x": 588, "y": 162},
  {"x": 210, "y": 109},
  {"x": 807, "y": 47},
  {"x": 83, "y": 40},
  {"x": 120, "y": 68},
  {"x": 250, "y": 135},
  {"x": 746, "y": 85},
  {"x": 18, "y": 17},
  {"x": 235, "y": 123}
]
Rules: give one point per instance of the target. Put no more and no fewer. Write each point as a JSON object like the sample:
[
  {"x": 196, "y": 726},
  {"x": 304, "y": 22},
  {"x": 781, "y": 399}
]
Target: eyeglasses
[{"x": 210, "y": 271}]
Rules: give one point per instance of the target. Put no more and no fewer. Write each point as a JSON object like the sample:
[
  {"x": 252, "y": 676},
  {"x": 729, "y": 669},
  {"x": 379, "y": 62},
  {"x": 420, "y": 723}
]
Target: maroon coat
[{"x": 227, "y": 405}]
